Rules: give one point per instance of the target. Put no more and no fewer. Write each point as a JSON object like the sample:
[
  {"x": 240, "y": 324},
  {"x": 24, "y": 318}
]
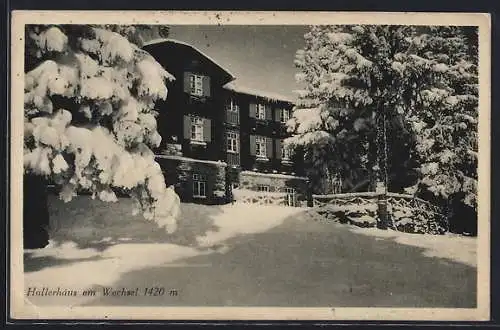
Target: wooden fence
[
  {"x": 406, "y": 212},
  {"x": 246, "y": 196}
]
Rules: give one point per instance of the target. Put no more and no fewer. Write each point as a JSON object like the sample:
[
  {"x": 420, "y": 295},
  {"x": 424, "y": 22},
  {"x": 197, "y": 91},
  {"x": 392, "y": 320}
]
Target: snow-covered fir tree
[
  {"x": 444, "y": 113},
  {"x": 89, "y": 121},
  {"x": 423, "y": 80}
]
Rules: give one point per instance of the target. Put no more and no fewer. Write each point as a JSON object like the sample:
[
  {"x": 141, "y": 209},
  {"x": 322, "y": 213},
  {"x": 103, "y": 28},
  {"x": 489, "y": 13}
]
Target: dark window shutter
[
  {"x": 253, "y": 150},
  {"x": 187, "y": 86},
  {"x": 238, "y": 143},
  {"x": 278, "y": 148},
  {"x": 187, "y": 127},
  {"x": 207, "y": 130},
  {"x": 206, "y": 86},
  {"x": 269, "y": 113},
  {"x": 269, "y": 147},
  {"x": 253, "y": 110}
]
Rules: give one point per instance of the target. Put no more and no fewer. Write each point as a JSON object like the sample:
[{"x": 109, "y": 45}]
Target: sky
[{"x": 260, "y": 57}]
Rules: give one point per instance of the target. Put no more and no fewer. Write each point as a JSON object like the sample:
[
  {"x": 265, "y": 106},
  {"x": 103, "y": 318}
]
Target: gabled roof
[
  {"x": 178, "y": 42},
  {"x": 274, "y": 97},
  {"x": 231, "y": 85}
]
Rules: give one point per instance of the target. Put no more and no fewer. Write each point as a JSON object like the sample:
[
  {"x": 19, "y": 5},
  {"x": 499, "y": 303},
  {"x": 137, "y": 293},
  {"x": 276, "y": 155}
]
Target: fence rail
[
  {"x": 407, "y": 212},
  {"x": 246, "y": 196}
]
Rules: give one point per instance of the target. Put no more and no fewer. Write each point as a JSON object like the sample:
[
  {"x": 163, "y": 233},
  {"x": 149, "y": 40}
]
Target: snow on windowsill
[
  {"x": 261, "y": 159},
  {"x": 198, "y": 97},
  {"x": 187, "y": 159},
  {"x": 199, "y": 143},
  {"x": 232, "y": 124},
  {"x": 200, "y": 197}
]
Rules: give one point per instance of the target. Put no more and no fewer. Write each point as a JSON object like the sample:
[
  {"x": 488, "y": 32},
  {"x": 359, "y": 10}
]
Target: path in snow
[{"x": 93, "y": 243}]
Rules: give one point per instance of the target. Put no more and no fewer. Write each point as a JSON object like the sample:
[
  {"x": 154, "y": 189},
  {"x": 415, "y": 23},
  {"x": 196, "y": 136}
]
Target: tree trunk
[
  {"x": 381, "y": 171},
  {"x": 35, "y": 212}
]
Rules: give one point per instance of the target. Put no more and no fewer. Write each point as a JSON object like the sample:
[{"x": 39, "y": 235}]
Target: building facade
[{"x": 218, "y": 136}]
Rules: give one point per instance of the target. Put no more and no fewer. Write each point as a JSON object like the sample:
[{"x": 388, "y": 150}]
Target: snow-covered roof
[
  {"x": 235, "y": 87},
  {"x": 186, "y": 159},
  {"x": 273, "y": 175},
  {"x": 174, "y": 41}
]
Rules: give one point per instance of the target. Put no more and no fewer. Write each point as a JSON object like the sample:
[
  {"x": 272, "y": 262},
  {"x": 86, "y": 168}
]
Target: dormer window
[{"x": 196, "y": 84}]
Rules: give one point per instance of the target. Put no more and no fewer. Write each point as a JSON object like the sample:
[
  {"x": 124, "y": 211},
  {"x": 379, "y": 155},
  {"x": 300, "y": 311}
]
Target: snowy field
[{"x": 94, "y": 243}]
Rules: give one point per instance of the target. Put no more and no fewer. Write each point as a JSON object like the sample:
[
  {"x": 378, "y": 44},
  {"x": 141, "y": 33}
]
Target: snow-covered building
[{"x": 218, "y": 135}]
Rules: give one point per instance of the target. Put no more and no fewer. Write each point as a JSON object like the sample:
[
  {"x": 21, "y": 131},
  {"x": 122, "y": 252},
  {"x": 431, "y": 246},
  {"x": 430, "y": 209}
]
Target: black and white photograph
[{"x": 282, "y": 166}]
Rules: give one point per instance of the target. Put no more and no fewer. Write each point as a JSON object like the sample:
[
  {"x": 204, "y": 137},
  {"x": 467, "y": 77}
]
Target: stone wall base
[
  {"x": 276, "y": 183},
  {"x": 182, "y": 172},
  {"x": 220, "y": 179}
]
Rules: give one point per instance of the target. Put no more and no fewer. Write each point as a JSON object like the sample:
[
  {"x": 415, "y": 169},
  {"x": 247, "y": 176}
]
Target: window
[
  {"x": 260, "y": 146},
  {"x": 262, "y": 188},
  {"x": 196, "y": 84},
  {"x": 284, "y": 115},
  {"x": 232, "y": 105},
  {"x": 261, "y": 111},
  {"x": 232, "y": 142},
  {"x": 196, "y": 129},
  {"x": 199, "y": 186},
  {"x": 232, "y": 112},
  {"x": 199, "y": 177},
  {"x": 290, "y": 191},
  {"x": 285, "y": 152}
]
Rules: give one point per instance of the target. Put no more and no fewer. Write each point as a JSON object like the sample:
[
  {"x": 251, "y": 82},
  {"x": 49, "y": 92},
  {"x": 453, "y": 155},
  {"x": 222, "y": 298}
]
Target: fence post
[
  {"x": 382, "y": 212},
  {"x": 309, "y": 194}
]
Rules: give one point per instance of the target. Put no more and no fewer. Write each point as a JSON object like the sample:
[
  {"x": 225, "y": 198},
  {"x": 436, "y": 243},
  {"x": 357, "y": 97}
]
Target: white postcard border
[{"x": 21, "y": 308}]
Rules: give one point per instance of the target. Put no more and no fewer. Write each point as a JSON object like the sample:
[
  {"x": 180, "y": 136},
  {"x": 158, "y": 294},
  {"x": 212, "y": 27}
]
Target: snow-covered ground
[
  {"x": 458, "y": 248},
  {"x": 94, "y": 244},
  {"x": 75, "y": 258},
  {"x": 455, "y": 247}
]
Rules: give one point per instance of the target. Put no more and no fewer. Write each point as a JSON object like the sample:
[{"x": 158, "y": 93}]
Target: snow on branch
[{"x": 100, "y": 139}]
